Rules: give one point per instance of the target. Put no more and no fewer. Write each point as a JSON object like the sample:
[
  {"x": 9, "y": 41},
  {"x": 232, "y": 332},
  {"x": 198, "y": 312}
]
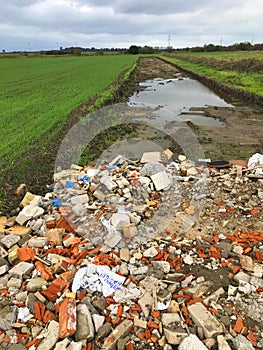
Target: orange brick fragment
[
  {"x": 33, "y": 342},
  {"x": 215, "y": 252},
  {"x": 156, "y": 314},
  {"x": 57, "y": 286},
  {"x": 141, "y": 335},
  {"x": 21, "y": 336},
  {"x": 67, "y": 318},
  {"x": 44, "y": 271},
  {"x": 39, "y": 310},
  {"x": 129, "y": 346},
  {"x": 49, "y": 316},
  {"x": 68, "y": 275},
  {"x": 50, "y": 224},
  {"x": 239, "y": 325},
  {"x": 252, "y": 338},
  {"x": 63, "y": 223},
  {"x": 26, "y": 254},
  {"x": 152, "y": 324}
]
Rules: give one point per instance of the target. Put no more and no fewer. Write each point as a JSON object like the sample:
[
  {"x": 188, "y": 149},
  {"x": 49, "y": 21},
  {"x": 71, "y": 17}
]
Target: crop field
[
  {"x": 38, "y": 94},
  {"x": 242, "y": 70}
]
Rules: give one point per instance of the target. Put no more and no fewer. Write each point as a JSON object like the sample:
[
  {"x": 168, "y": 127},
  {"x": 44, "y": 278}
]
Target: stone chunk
[
  {"x": 81, "y": 199},
  {"x": 192, "y": 342},
  {"x": 140, "y": 323},
  {"x": 85, "y": 328},
  {"x": 3, "y": 252},
  {"x": 35, "y": 284},
  {"x": 124, "y": 254},
  {"x": 146, "y": 303},
  {"x": 119, "y": 220},
  {"x": 119, "y": 332},
  {"x": 37, "y": 242},
  {"x": 162, "y": 265},
  {"x": 175, "y": 336},
  {"x": 10, "y": 240},
  {"x": 150, "y": 252},
  {"x": 29, "y": 212},
  {"x": 161, "y": 180},
  {"x": 50, "y": 335},
  {"x": 149, "y": 157},
  {"x": 204, "y": 319},
  {"x": 241, "y": 343},
  {"x": 21, "y": 269},
  {"x": 169, "y": 318},
  {"x": 246, "y": 262},
  {"x": 222, "y": 343}
]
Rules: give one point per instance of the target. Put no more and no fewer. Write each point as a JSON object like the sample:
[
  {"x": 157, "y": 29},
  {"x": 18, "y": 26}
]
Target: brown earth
[{"x": 241, "y": 137}]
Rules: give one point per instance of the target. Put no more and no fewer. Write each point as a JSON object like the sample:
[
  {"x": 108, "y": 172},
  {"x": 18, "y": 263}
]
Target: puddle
[{"x": 178, "y": 96}]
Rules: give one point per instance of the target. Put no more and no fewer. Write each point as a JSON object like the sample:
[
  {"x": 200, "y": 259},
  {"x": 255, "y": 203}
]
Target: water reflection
[{"x": 178, "y": 96}]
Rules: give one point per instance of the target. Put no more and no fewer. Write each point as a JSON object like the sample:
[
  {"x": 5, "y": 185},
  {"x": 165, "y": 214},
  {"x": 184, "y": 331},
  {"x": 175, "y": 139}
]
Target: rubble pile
[{"x": 149, "y": 254}]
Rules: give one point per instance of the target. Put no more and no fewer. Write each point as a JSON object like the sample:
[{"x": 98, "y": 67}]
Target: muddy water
[{"x": 175, "y": 98}]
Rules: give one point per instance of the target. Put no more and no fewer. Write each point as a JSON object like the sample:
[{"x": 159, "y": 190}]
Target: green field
[
  {"x": 240, "y": 70},
  {"x": 38, "y": 94}
]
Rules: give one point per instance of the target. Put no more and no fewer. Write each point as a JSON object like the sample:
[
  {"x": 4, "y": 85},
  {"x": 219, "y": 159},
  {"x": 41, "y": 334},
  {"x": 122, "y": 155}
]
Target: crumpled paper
[
  {"x": 97, "y": 278},
  {"x": 254, "y": 161}
]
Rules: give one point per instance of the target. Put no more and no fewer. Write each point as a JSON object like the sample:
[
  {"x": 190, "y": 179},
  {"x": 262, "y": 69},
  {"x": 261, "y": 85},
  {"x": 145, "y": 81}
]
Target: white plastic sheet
[{"x": 97, "y": 278}]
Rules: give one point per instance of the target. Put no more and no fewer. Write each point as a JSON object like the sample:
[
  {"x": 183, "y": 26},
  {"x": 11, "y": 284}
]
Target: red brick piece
[
  {"x": 57, "y": 286},
  {"x": 67, "y": 318}
]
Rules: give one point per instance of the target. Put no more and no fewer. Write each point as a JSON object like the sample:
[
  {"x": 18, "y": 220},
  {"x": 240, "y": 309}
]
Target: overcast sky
[{"x": 49, "y": 24}]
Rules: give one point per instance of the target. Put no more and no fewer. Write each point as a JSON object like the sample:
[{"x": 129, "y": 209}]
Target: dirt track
[
  {"x": 242, "y": 135},
  {"x": 239, "y": 139}
]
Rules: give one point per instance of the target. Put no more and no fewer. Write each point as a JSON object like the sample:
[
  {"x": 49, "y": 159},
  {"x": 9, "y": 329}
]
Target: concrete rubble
[{"x": 156, "y": 253}]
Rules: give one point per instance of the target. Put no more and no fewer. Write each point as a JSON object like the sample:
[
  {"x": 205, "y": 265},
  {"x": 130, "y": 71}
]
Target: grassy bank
[{"x": 233, "y": 74}]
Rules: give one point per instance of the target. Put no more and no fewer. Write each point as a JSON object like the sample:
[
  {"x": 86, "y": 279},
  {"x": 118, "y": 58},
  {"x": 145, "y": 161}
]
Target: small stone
[
  {"x": 10, "y": 240},
  {"x": 104, "y": 330},
  {"x": 29, "y": 212},
  {"x": 222, "y": 343},
  {"x": 21, "y": 269},
  {"x": 37, "y": 242},
  {"x": 50, "y": 336},
  {"x": 14, "y": 283},
  {"x": 85, "y": 328},
  {"x": 146, "y": 303},
  {"x": 242, "y": 343},
  {"x": 125, "y": 254},
  {"x": 4, "y": 266},
  {"x": 150, "y": 252},
  {"x": 192, "y": 342},
  {"x": 98, "y": 321},
  {"x": 237, "y": 249},
  {"x": 175, "y": 336},
  {"x": 246, "y": 262},
  {"x": 137, "y": 256},
  {"x": 242, "y": 277},
  {"x": 119, "y": 332},
  {"x": 188, "y": 260},
  {"x": 99, "y": 303},
  {"x": 168, "y": 318},
  {"x": 161, "y": 180},
  {"x": 139, "y": 323},
  {"x": 35, "y": 284},
  {"x": 162, "y": 265},
  {"x": 119, "y": 220},
  {"x": 181, "y": 157},
  {"x": 113, "y": 239}
]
